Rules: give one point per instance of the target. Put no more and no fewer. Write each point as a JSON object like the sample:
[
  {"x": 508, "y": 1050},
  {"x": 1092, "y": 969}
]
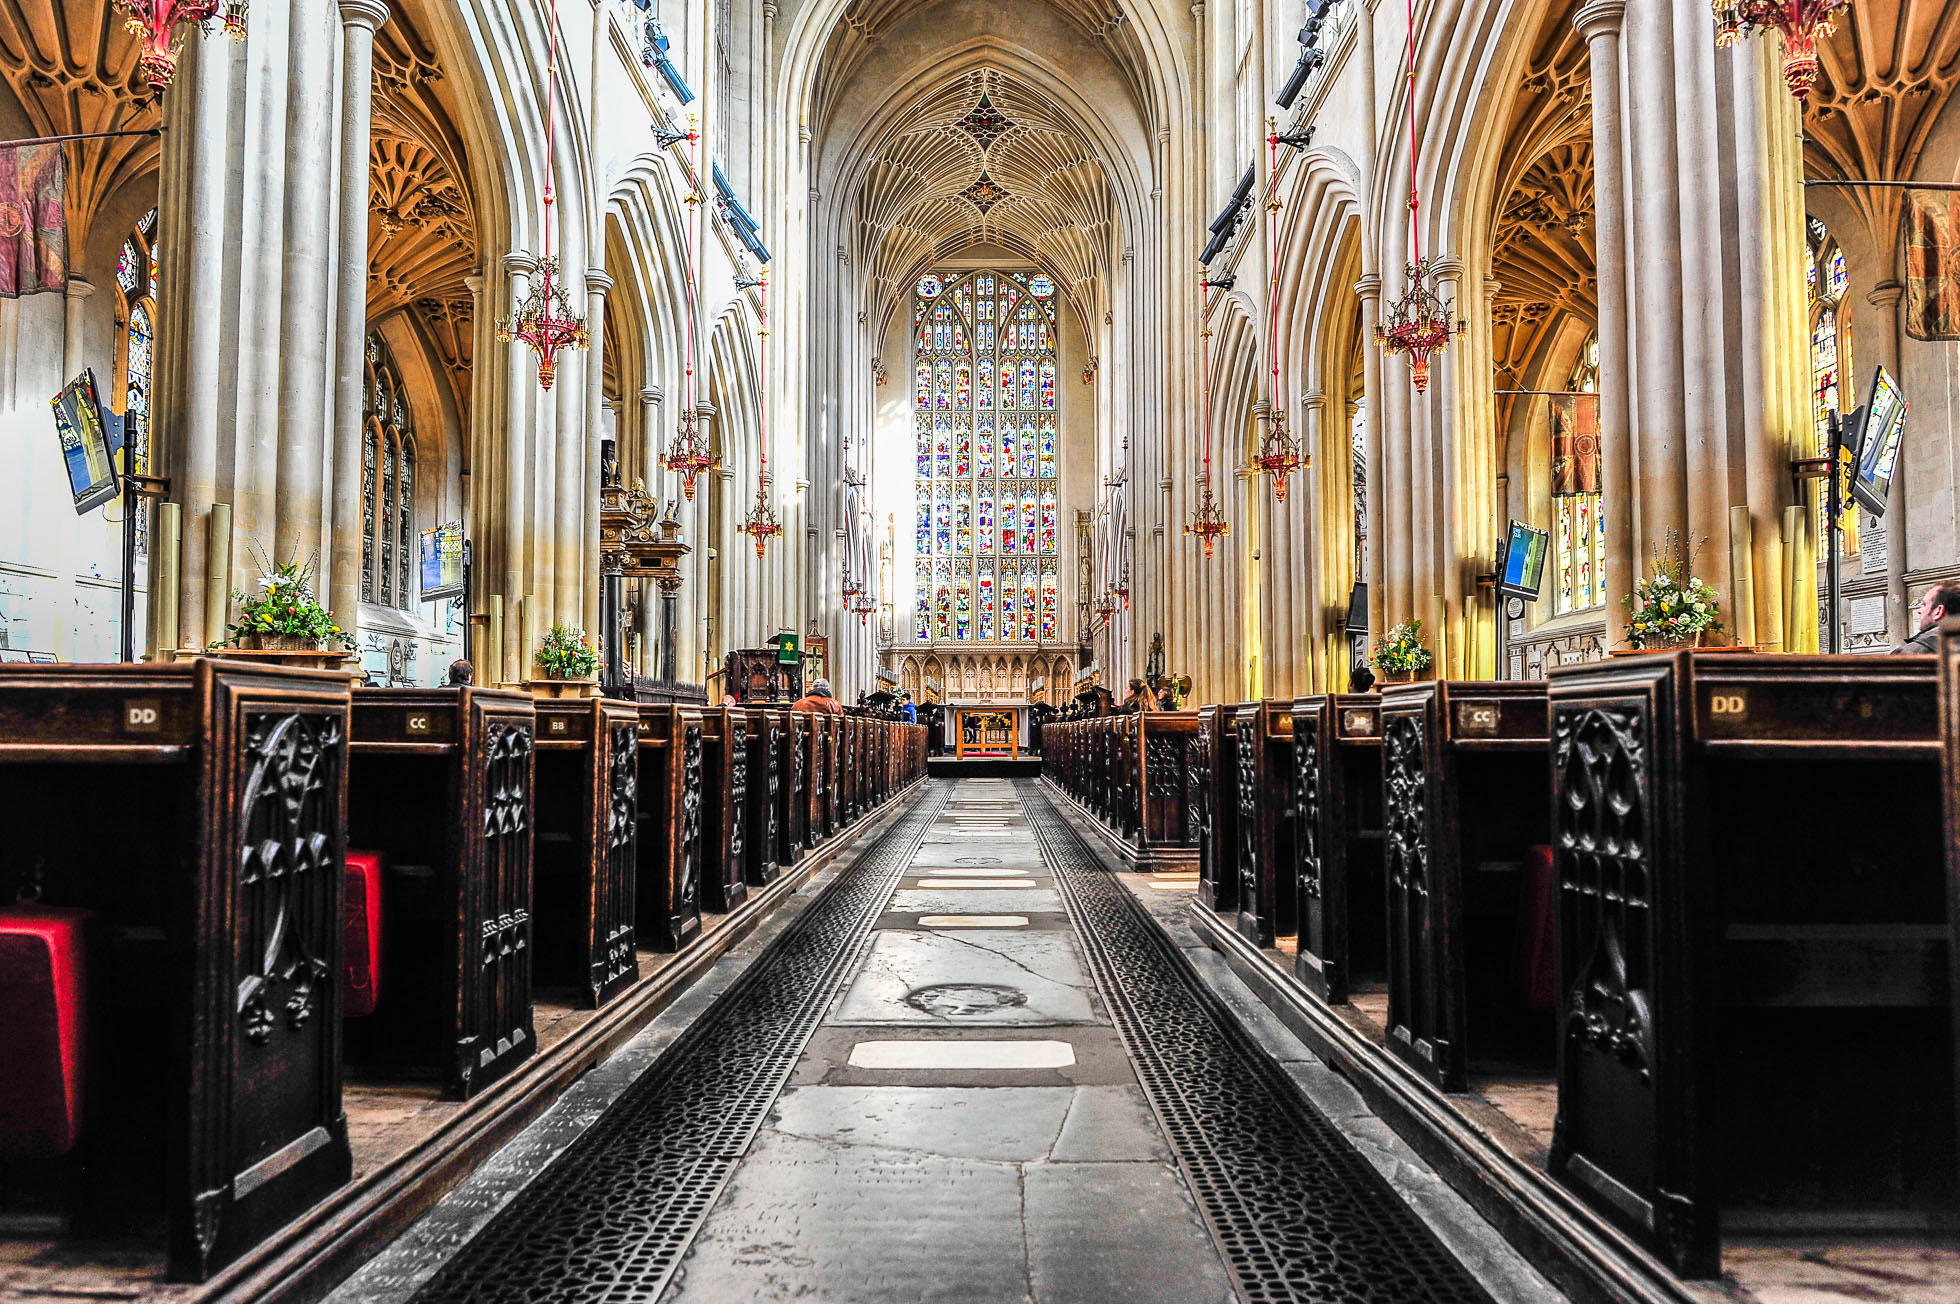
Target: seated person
[
  {"x": 1935, "y": 604},
  {"x": 1361, "y": 680},
  {"x": 819, "y": 700}
]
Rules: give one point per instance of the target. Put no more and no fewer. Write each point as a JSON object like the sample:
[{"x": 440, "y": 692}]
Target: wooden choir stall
[
  {"x": 232, "y": 885},
  {"x": 1703, "y": 901}
]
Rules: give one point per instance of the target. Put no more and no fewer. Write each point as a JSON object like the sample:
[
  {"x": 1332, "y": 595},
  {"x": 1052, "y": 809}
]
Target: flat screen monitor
[
  {"x": 85, "y": 450},
  {"x": 442, "y": 562},
  {"x": 1524, "y": 562},
  {"x": 1880, "y": 426}
]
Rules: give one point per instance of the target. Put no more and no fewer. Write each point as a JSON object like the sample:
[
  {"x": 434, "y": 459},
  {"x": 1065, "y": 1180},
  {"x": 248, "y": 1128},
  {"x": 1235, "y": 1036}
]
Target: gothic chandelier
[
  {"x": 761, "y": 524},
  {"x": 155, "y": 24},
  {"x": 689, "y": 456},
  {"x": 1801, "y": 23},
  {"x": 546, "y": 320},
  {"x": 1209, "y": 523},
  {"x": 863, "y": 604},
  {"x": 1421, "y": 322},
  {"x": 1122, "y": 588},
  {"x": 1106, "y": 606},
  {"x": 1279, "y": 453}
]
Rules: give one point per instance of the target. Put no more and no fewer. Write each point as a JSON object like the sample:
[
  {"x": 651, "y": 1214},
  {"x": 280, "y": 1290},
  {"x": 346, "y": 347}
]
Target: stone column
[
  {"x": 518, "y": 267},
  {"x": 67, "y": 526},
  {"x": 597, "y": 283},
  {"x": 1656, "y": 293},
  {"x": 1310, "y": 555},
  {"x": 359, "y": 19},
  {"x": 1599, "y": 23},
  {"x": 190, "y": 350},
  {"x": 305, "y": 415},
  {"x": 1369, "y": 290},
  {"x": 1898, "y": 616}
]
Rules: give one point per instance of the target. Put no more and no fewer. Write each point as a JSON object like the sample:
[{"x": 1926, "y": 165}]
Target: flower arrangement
[
  {"x": 566, "y": 653},
  {"x": 1671, "y": 606},
  {"x": 1400, "y": 651},
  {"x": 284, "y": 615}
]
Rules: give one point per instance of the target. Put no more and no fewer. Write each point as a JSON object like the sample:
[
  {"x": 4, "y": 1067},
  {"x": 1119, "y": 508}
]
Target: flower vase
[{"x": 273, "y": 642}]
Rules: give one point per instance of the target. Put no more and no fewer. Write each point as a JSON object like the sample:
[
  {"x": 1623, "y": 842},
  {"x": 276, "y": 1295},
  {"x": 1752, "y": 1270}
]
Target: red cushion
[
  {"x": 43, "y": 1026},
  {"x": 361, "y": 920},
  {"x": 1539, "y": 980}
]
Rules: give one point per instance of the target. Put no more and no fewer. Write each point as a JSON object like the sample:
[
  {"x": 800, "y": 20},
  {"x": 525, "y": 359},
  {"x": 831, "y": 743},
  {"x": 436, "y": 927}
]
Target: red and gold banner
[
  {"x": 1932, "y": 265},
  {"x": 33, "y": 220},
  {"x": 1575, "y": 444}
]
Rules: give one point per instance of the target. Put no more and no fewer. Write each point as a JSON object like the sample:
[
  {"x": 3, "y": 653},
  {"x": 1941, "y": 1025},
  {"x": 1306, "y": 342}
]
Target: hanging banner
[
  {"x": 33, "y": 220},
  {"x": 1933, "y": 265},
  {"x": 1575, "y": 444}
]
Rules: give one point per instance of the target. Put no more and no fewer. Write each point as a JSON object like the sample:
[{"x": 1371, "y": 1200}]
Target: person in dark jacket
[{"x": 1935, "y": 604}]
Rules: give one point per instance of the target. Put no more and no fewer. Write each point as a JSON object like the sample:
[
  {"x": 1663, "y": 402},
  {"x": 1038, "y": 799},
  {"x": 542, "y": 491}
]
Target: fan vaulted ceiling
[{"x": 985, "y": 158}]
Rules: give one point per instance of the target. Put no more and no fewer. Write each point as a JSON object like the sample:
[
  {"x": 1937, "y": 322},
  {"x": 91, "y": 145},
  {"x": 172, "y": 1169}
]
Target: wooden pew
[
  {"x": 198, "y": 808},
  {"x": 1212, "y": 787},
  {"x": 1465, "y": 770},
  {"x": 670, "y": 846},
  {"x": 1755, "y": 946},
  {"x": 587, "y": 862},
  {"x": 823, "y": 768},
  {"x": 1343, "y": 931},
  {"x": 724, "y": 806},
  {"x": 1160, "y": 839},
  {"x": 765, "y": 724},
  {"x": 794, "y": 765},
  {"x": 441, "y": 784},
  {"x": 1268, "y": 887}
]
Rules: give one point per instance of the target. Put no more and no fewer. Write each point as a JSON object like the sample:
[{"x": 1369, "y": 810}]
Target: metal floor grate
[
  {"x": 1297, "y": 1212},
  {"x": 611, "y": 1218}
]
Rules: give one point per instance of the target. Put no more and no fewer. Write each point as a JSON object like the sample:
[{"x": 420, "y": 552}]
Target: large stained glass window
[
  {"x": 1579, "y": 535},
  {"x": 136, "y": 283},
  {"x": 986, "y": 493},
  {"x": 388, "y": 543},
  {"x": 1827, "y": 282}
]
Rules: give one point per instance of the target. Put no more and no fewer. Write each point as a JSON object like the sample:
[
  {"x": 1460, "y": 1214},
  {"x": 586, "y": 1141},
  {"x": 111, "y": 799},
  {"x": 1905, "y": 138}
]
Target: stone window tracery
[
  {"x": 986, "y": 537},
  {"x": 136, "y": 285},
  {"x": 1579, "y": 532},
  {"x": 1827, "y": 283},
  {"x": 388, "y": 545}
]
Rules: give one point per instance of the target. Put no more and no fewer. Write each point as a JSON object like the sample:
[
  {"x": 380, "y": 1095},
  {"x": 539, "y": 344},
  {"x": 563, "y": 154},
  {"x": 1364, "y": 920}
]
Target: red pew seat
[
  {"x": 43, "y": 1028},
  {"x": 361, "y": 919}
]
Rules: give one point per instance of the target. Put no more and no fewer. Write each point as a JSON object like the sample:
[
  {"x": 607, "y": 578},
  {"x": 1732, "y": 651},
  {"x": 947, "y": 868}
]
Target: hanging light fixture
[
  {"x": 1421, "y": 322},
  {"x": 1106, "y": 605},
  {"x": 1122, "y": 589},
  {"x": 689, "y": 456},
  {"x": 1801, "y": 23},
  {"x": 546, "y": 320},
  {"x": 155, "y": 24},
  {"x": 761, "y": 524},
  {"x": 1209, "y": 523},
  {"x": 1279, "y": 453},
  {"x": 864, "y": 605}
]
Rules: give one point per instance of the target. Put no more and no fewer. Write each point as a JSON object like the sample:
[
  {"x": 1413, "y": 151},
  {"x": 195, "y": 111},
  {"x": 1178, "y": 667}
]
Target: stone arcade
[{"x": 742, "y": 632}]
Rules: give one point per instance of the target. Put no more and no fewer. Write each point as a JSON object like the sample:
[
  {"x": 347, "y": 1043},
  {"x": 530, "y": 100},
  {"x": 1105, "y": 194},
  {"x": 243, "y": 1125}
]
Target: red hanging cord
[
  {"x": 550, "y": 132},
  {"x": 1272, "y": 259},
  {"x": 1415, "y": 231},
  {"x": 1204, "y": 354}
]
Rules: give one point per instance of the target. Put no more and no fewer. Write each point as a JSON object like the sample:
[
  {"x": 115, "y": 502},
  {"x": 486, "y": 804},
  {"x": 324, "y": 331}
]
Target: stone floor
[{"x": 965, "y": 1124}]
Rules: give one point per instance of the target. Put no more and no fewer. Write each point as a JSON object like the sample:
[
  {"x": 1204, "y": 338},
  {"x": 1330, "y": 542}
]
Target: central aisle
[
  {"x": 972, "y": 1070},
  {"x": 965, "y": 1124}
]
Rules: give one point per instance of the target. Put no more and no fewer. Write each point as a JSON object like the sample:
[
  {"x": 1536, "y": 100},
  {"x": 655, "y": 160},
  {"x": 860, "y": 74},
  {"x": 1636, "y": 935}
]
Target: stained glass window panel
[
  {"x": 985, "y": 343},
  {"x": 1048, "y": 604}
]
